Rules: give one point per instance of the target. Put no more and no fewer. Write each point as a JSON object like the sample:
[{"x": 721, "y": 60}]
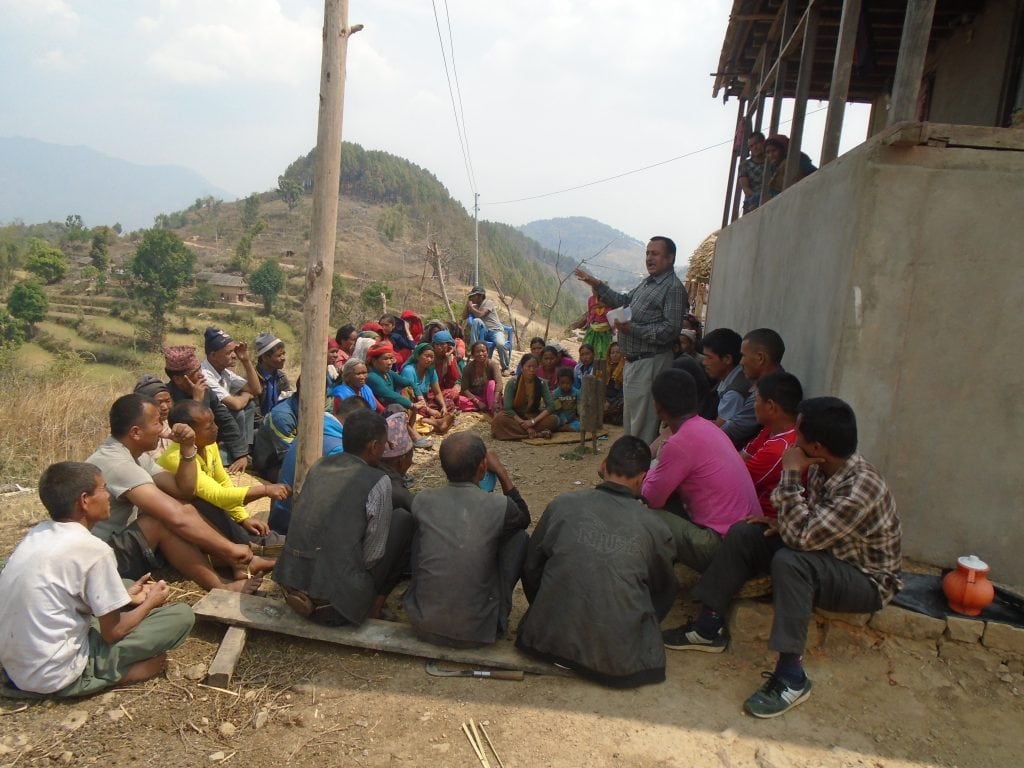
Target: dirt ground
[{"x": 877, "y": 701}]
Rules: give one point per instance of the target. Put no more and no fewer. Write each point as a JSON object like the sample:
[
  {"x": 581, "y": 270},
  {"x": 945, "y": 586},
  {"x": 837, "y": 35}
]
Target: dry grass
[{"x": 52, "y": 414}]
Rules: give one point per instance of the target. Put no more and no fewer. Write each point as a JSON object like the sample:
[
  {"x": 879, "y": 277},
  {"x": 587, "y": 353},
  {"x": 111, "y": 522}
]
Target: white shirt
[
  {"x": 224, "y": 383},
  {"x": 58, "y": 578}
]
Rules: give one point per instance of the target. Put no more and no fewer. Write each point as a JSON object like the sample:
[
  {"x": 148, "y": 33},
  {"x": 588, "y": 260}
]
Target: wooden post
[
  {"x": 736, "y": 154},
  {"x": 780, "y": 71},
  {"x": 320, "y": 262},
  {"x": 803, "y": 87},
  {"x": 840, "y": 88},
  {"x": 917, "y": 30},
  {"x": 434, "y": 251}
]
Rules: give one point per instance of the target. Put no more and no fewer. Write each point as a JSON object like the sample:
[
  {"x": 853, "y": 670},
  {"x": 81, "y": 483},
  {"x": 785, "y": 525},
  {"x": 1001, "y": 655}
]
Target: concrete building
[{"x": 894, "y": 273}]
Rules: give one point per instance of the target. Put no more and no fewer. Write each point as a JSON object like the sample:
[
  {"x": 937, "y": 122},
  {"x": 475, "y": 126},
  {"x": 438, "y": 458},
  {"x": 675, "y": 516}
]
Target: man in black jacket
[
  {"x": 468, "y": 549},
  {"x": 599, "y": 578},
  {"x": 186, "y": 382},
  {"x": 347, "y": 545}
]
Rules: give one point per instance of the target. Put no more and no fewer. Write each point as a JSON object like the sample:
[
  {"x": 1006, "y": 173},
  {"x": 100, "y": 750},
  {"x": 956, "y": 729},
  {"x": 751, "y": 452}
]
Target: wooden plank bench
[{"x": 267, "y": 615}]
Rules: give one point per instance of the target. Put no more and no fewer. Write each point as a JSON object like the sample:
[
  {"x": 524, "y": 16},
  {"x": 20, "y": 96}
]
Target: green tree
[
  {"x": 46, "y": 261},
  {"x": 102, "y": 238},
  {"x": 28, "y": 303},
  {"x": 391, "y": 223},
  {"x": 11, "y": 333},
  {"x": 204, "y": 295},
  {"x": 10, "y": 260},
  {"x": 161, "y": 266},
  {"x": 371, "y": 294},
  {"x": 242, "y": 260},
  {"x": 290, "y": 191},
  {"x": 250, "y": 212},
  {"x": 266, "y": 282},
  {"x": 75, "y": 229}
]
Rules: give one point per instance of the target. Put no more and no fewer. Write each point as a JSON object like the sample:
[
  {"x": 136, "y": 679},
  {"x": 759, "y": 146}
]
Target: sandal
[{"x": 545, "y": 434}]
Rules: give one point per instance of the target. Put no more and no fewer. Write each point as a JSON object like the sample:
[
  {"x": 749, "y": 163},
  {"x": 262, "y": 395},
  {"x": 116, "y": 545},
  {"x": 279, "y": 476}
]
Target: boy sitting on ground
[
  {"x": 776, "y": 401},
  {"x": 72, "y": 626},
  {"x": 566, "y": 397}
]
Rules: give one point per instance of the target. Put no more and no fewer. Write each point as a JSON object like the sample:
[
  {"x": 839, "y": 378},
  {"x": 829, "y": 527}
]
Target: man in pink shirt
[{"x": 699, "y": 473}]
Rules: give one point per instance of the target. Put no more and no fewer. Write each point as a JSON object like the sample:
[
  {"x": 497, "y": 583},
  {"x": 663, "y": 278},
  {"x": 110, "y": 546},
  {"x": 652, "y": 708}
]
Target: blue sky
[{"x": 555, "y": 93}]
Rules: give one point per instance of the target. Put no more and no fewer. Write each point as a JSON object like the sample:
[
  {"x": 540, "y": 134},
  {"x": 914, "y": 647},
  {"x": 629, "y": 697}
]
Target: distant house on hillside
[
  {"x": 898, "y": 262},
  {"x": 230, "y": 288}
]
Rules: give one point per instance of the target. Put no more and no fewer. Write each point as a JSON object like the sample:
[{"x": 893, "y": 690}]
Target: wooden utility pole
[
  {"x": 320, "y": 263},
  {"x": 917, "y": 31},
  {"x": 435, "y": 254},
  {"x": 840, "y": 88}
]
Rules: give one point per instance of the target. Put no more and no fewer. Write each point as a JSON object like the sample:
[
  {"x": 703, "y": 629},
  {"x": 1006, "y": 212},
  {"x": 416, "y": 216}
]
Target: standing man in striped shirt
[{"x": 658, "y": 305}]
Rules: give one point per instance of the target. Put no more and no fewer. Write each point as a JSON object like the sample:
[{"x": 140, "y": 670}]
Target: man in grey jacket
[
  {"x": 467, "y": 551},
  {"x": 599, "y": 578}
]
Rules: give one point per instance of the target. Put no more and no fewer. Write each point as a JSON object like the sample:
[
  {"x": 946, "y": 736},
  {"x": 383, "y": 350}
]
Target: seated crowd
[{"x": 747, "y": 477}]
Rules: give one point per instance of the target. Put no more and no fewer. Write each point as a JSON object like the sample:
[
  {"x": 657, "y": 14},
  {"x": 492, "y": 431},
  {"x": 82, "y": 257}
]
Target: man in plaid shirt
[
  {"x": 836, "y": 544},
  {"x": 657, "y": 305}
]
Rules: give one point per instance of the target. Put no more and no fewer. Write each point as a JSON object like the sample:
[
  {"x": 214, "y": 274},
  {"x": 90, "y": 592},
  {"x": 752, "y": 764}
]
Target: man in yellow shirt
[{"x": 217, "y": 498}]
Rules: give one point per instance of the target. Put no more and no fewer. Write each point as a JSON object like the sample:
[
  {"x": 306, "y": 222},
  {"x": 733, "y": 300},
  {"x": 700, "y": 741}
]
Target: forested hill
[
  {"x": 619, "y": 258},
  {"x": 418, "y": 210}
]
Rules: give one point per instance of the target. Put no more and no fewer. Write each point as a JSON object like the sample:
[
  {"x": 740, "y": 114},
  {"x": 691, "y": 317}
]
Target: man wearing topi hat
[
  {"x": 240, "y": 395},
  {"x": 186, "y": 382},
  {"x": 483, "y": 309}
]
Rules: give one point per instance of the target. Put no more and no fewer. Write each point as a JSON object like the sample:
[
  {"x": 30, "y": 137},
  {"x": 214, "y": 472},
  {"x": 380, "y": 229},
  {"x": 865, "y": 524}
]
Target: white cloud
[
  {"x": 39, "y": 11},
  {"x": 237, "y": 40},
  {"x": 54, "y": 60}
]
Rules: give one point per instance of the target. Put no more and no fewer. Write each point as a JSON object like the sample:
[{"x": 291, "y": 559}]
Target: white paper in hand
[{"x": 619, "y": 315}]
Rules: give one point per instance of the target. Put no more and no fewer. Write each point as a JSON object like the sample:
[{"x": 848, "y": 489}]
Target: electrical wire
[
  {"x": 458, "y": 93},
  {"x": 463, "y": 143},
  {"x": 629, "y": 173}
]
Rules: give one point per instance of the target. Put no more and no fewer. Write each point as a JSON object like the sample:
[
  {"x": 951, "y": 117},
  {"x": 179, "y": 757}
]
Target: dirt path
[{"x": 877, "y": 701}]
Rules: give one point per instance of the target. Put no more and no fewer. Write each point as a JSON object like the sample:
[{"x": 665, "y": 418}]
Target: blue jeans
[{"x": 499, "y": 341}]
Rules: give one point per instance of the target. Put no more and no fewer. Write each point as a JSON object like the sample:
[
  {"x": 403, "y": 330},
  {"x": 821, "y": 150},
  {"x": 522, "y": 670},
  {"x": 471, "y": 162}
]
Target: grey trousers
[
  {"x": 638, "y": 416},
  {"x": 695, "y": 545},
  {"x": 800, "y": 581}
]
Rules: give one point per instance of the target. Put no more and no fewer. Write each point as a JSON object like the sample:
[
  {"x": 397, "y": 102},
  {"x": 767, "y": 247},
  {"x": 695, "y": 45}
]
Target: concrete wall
[
  {"x": 896, "y": 278},
  {"x": 969, "y": 68}
]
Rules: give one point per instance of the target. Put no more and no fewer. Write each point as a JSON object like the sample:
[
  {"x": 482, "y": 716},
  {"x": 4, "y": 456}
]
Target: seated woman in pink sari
[{"x": 481, "y": 380}]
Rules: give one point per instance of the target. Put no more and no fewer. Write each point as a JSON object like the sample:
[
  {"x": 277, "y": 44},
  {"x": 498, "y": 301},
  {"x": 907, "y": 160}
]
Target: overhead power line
[
  {"x": 459, "y": 125},
  {"x": 628, "y": 173}
]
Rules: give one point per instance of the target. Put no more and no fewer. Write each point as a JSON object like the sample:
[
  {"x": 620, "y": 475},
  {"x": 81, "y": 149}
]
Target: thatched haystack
[{"x": 702, "y": 260}]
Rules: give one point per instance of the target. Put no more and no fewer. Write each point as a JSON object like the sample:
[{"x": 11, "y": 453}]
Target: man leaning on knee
[{"x": 836, "y": 544}]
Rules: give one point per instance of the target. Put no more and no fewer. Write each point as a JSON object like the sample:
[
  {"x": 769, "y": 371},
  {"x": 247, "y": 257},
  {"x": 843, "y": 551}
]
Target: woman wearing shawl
[
  {"x": 449, "y": 374},
  {"x": 391, "y": 388},
  {"x": 481, "y": 379},
  {"x": 364, "y": 341},
  {"x": 393, "y": 330},
  {"x": 613, "y": 389},
  {"x": 346, "y": 338},
  {"x": 599, "y": 333},
  {"x": 353, "y": 384},
  {"x": 528, "y": 406},
  {"x": 429, "y": 402}
]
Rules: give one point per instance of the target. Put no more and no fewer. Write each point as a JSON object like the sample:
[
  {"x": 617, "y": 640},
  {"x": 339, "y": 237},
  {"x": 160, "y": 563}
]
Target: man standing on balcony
[
  {"x": 752, "y": 172},
  {"x": 658, "y": 305}
]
